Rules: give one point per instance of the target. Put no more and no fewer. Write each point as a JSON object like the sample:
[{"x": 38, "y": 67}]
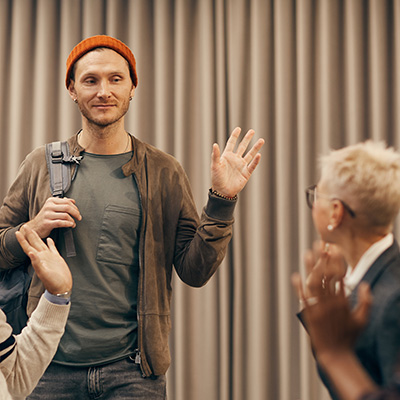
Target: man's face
[{"x": 102, "y": 87}]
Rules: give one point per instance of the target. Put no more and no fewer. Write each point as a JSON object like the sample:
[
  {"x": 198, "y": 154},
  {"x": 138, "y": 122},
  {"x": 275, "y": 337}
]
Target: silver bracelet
[{"x": 65, "y": 295}]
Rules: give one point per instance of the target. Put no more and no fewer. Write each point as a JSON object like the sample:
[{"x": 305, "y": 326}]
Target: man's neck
[{"x": 105, "y": 140}]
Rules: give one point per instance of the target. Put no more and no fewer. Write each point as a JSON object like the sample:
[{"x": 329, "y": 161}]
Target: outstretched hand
[
  {"x": 231, "y": 170},
  {"x": 50, "y": 267}
]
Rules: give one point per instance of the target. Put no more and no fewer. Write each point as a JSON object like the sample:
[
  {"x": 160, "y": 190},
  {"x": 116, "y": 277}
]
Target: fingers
[
  {"x": 23, "y": 243},
  {"x": 51, "y": 245},
  {"x": 253, "y": 153},
  {"x": 341, "y": 290},
  {"x": 32, "y": 238},
  {"x": 337, "y": 266},
  {"x": 325, "y": 267},
  {"x": 316, "y": 282},
  {"x": 64, "y": 205},
  {"x": 309, "y": 261},
  {"x": 216, "y": 153},
  {"x": 49, "y": 266},
  {"x": 312, "y": 255},
  {"x": 244, "y": 144},
  {"x": 364, "y": 293},
  {"x": 56, "y": 213},
  {"x": 318, "y": 247},
  {"x": 297, "y": 284},
  {"x": 29, "y": 240},
  {"x": 254, "y": 162},
  {"x": 361, "y": 311},
  {"x": 231, "y": 143},
  {"x": 242, "y": 147},
  {"x": 35, "y": 260}
]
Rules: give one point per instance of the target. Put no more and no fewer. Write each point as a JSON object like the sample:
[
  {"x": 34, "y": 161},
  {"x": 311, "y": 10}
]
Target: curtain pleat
[{"x": 307, "y": 75}]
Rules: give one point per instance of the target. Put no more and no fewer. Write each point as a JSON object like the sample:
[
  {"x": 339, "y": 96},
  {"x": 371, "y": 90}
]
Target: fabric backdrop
[{"x": 307, "y": 75}]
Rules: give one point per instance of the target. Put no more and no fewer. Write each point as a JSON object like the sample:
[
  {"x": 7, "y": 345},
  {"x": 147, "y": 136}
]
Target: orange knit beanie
[{"x": 93, "y": 42}]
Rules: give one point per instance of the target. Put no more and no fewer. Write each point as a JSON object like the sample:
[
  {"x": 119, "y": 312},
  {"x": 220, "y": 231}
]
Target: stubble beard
[{"x": 100, "y": 122}]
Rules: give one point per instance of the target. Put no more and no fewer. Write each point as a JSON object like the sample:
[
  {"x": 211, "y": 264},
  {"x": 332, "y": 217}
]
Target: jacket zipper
[{"x": 138, "y": 358}]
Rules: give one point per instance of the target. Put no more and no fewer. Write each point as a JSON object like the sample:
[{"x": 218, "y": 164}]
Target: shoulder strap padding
[{"x": 58, "y": 164}]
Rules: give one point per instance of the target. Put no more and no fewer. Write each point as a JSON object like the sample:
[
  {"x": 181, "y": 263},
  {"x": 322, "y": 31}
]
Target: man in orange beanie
[{"x": 133, "y": 219}]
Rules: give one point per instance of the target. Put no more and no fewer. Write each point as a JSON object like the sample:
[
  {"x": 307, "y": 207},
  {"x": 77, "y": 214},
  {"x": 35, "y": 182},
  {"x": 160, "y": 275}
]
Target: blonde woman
[{"x": 354, "y": 206}]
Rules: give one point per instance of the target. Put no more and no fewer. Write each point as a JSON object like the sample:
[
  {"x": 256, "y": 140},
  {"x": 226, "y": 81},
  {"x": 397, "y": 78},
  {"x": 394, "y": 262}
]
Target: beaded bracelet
[{"x": 215, "y": 193}]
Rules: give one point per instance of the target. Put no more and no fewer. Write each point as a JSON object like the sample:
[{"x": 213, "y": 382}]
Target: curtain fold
[{"x": 307, "y": 75}]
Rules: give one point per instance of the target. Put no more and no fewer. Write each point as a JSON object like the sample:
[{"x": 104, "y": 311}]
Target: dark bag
[
  {"x": 15, "y": 282},
  {"x": 14, "y": 285}
]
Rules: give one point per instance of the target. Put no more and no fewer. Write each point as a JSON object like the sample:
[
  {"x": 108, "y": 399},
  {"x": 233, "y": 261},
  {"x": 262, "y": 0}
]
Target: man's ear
[
  {"x": 132, "y": 91},
  {"x": 71, "y": 90}
]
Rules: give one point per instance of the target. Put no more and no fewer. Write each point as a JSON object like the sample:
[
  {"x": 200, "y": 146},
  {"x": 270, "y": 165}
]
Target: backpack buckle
[{"x": 57, "y": 156}]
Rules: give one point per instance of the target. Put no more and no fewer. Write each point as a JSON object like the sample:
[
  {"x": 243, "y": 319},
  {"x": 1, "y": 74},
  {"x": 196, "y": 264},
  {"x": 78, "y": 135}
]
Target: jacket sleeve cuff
[
  {"x": 220, "y": 208},
  {"x": 12, "y": 244}
]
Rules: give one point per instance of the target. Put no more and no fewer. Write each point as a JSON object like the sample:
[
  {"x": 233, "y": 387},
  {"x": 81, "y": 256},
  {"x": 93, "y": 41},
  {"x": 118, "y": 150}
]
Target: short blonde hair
[{"x": 367, "y": 177}]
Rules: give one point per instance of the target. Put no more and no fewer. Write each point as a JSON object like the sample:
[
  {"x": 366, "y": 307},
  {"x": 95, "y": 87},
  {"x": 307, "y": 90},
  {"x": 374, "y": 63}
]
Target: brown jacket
[{"x": 171, "y": 235}]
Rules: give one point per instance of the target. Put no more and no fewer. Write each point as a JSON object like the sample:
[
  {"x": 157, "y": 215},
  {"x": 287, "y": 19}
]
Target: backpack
[{"x": 15, "y": 282}]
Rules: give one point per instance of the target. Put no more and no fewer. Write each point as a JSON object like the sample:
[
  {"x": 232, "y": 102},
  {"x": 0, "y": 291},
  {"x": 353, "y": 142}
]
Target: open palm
[{"x": 231, "y": 170}]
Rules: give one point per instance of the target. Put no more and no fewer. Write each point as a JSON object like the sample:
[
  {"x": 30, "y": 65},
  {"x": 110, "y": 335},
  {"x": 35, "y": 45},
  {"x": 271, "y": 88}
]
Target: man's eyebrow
[{"x": 111, "y": 73}]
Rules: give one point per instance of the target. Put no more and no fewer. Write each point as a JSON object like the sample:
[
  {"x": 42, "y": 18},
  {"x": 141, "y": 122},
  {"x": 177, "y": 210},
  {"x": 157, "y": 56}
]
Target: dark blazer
[{"x": 378, "y": 346}]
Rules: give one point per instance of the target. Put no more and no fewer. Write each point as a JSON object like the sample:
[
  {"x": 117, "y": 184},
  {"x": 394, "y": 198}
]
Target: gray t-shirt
[{"x": 102, "y": 325}]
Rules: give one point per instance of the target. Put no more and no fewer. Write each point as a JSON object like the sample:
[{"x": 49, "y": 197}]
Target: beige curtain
[{"x": 307, "y": 75}]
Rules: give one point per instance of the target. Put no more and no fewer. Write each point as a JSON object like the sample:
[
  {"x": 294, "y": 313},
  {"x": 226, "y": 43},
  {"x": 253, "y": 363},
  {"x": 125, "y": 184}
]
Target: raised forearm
[{"x": 201, "y": 251}]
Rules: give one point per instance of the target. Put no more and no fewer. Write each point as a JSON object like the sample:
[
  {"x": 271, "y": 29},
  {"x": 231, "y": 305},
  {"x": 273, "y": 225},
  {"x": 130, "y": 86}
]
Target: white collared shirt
[{"x": 354, "y": 275}]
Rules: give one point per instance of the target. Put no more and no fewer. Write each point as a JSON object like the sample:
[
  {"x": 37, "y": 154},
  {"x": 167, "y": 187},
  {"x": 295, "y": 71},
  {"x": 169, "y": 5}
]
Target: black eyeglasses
[{"x": 311, "y": 197}]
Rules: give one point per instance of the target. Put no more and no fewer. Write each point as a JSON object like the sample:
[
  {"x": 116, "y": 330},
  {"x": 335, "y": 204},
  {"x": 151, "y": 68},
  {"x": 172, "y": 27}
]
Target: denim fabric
[{"x": 119, "y": 380}]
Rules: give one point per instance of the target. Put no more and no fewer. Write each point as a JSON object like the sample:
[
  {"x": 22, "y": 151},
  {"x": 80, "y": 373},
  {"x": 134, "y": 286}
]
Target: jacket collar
[
  {"x": 130, "y": 167},
  {"x": 377, "y": 268}
]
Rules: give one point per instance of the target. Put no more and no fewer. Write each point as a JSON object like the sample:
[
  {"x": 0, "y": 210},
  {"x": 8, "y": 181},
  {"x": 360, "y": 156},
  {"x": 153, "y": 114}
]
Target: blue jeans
[{"x": 119, "y": 380}]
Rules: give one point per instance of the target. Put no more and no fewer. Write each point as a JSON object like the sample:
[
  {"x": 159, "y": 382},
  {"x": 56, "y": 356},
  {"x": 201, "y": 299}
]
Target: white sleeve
[{"x": 25, "y": 361}]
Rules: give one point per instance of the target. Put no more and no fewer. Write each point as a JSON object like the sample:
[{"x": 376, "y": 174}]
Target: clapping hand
[
  {"x": 330, "y": 322},
  {"x": 325, "y": 266}
]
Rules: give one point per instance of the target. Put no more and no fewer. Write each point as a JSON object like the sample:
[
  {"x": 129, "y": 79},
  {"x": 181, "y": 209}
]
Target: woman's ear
[{"x": 336, "y": 213}]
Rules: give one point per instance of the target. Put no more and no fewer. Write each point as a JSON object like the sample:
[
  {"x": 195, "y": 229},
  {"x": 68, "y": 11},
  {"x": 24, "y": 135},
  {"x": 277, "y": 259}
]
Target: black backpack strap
[{"x": 59, "y": 165}]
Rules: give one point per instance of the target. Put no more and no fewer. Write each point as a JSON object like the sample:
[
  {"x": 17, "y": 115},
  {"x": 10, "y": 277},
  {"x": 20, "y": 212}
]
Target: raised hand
[
  {"x": 49, "y": 266},
  {"x": 231, "y": 170},
  {"x": 55, "y": 213}
]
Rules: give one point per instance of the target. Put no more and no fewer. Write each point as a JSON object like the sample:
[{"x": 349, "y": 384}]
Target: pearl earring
[{"x": 330, "y": 227}]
